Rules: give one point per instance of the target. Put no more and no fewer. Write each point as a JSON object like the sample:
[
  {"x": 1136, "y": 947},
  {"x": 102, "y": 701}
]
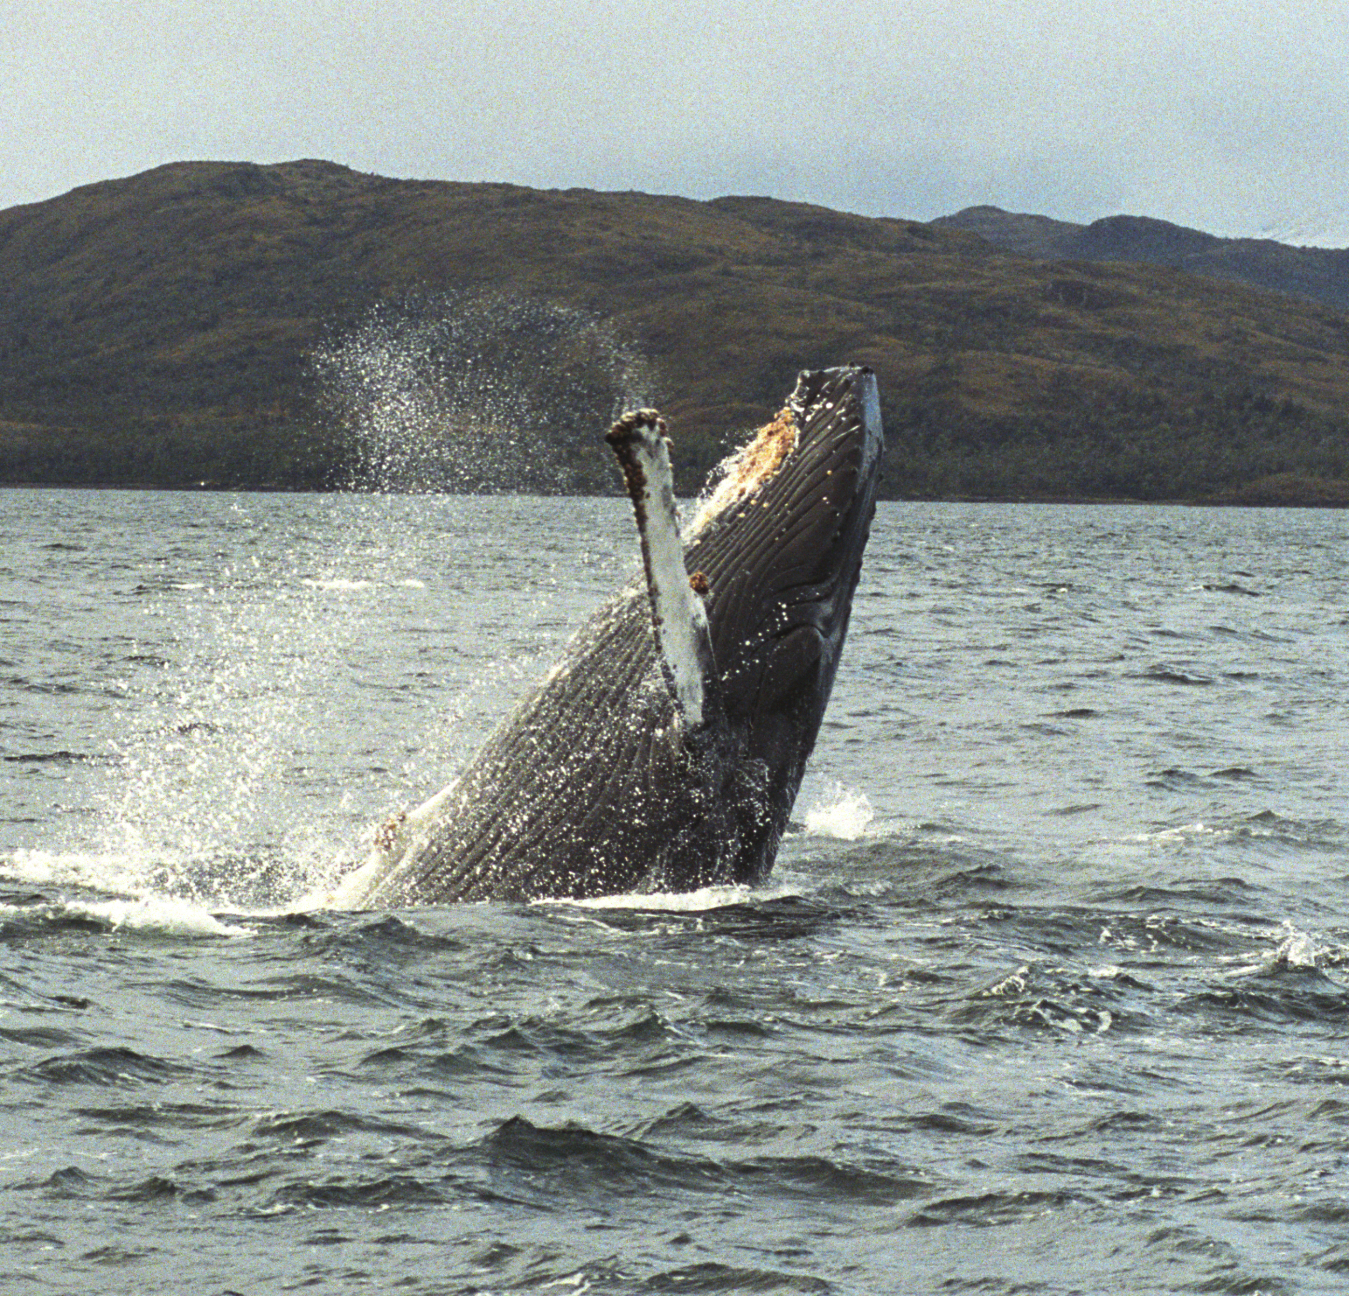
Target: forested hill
[
  {"x": 1319, "y": 274},
  {"x": 247, "y": 325}
]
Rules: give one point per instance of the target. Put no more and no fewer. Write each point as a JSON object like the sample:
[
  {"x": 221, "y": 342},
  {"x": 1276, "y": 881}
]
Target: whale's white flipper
[{"x": 677, "y": 612}]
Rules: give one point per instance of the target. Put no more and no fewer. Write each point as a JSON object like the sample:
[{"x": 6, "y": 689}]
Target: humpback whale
[{"x": 666, "y": 749}]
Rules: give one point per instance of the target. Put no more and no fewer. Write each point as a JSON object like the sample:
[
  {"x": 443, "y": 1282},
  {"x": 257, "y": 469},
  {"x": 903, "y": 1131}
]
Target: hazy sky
[{"x": 1230, "y": 117}]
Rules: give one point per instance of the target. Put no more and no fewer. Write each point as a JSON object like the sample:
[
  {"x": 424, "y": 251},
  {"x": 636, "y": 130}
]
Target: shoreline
[{"x": 1339, "y": 500}]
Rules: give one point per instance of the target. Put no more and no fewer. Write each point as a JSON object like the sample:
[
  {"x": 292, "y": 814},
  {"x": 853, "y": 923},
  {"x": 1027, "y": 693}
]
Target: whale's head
[{"x": 780, "y": 542}]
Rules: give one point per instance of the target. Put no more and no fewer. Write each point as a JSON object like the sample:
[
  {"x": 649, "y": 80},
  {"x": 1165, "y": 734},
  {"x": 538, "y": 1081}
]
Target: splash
[
  {"x": 841, "y": 813},
  {"x": 94, "y": 870},
  {"x": 215, "y": 792},
  {"x": 209, "y": 803},
  {"x": 212, "y": 797},
  {"x": 471, "y": 393}
]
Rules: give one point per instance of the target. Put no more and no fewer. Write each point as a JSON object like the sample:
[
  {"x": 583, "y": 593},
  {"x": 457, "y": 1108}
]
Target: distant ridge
[
  {"x": 162, "y": 330},
  {"x": 1319, "y": 274}
]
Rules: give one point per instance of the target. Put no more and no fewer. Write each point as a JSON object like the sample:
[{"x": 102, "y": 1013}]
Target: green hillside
[
  {"x": 236, "y": 324},
  {"x": 1319, "y": 274}
]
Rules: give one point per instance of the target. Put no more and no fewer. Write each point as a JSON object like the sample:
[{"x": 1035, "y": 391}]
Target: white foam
[
  {"x": 577, "y": 1280},
  {"x": 1179, "y": 832},
  {"x": 705, "y": 898},
  {"x": 841, "y": 813},
  {"x": 1297, "y": 950},
  {"x": 136, "y": 909},
  {"x": 153, "y": 913},
  {"x": 337, "y": 583}
]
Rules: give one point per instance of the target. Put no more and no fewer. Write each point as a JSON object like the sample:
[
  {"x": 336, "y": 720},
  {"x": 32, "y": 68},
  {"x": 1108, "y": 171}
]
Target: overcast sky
[{"x": 1230, "y": 117}]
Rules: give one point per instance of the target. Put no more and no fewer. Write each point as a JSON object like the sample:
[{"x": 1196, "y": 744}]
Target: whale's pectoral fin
[{"x": 678, "y": 616}]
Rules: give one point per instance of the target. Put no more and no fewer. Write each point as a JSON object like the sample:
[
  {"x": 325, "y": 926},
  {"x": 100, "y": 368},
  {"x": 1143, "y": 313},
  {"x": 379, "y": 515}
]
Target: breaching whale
[{"x": 666, "y": 749}]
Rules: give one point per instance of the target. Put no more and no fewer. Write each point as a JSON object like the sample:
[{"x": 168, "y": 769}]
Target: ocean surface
[{"x": 1047, "y": 993}]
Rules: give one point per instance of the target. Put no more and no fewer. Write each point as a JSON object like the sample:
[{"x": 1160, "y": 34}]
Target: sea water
[{"x": 1047, "y": 991}]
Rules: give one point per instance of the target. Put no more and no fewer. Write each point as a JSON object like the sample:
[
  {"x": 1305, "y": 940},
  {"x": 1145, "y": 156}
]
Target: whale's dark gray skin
[{"x": 609, "y": 779}]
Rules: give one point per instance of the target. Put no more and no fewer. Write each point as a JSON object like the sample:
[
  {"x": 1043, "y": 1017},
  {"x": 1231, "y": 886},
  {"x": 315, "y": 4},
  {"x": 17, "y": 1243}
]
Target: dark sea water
[{"x": 1047, "y": 993}]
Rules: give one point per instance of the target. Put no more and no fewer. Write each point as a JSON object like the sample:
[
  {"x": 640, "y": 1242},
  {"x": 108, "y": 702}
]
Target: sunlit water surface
[{"x": 1047, "y": 992}]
